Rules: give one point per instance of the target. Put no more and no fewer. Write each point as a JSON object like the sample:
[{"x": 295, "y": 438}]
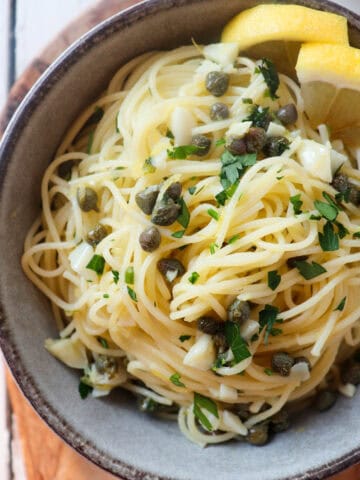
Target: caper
[
  {"x": 87, "y": 199},
  {"x": 280, "y": 421},
  {"x": 238, "y": 311},
  {"x": 106, "y": 365},
  {"x": 303, "y": 359},
  {"x": 165, "y": 212},
  {"x": 65, "y": 168},
  {"x": 291, "y": 262},
  {"x": 202, "y": 143},
  {"x": 350, "y": 373},
  {"x": 150, "y": 239},
  {"x": 255, "y": 139},
  {"x": 242, "y": 410},
  {"x": 258, "y": 434},
  {"x": 281, "y": 363},
  {"x": 146, "y": 199},
  {"x": 287, "y": 114},
  {"x": 170, "y": 268},
  {"x": 217, "y": 83},
  {"x": 219, "y": 111},
  {"x": 220, "y": 342},
  {"x": 341, "y": 183},
  {"x": 98, "y": 233},
  {"x": 58, "y": 201},
  {"x": 325, "y": 400},
  {"x": 174, "y": 191},
  {"x": 275, "y": 146},
  {"x": 209, "y": 325},
  {"x": 236, "y": 145}
]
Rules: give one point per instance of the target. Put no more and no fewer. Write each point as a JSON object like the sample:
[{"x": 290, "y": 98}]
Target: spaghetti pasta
[{"x": 122, "y": 320}]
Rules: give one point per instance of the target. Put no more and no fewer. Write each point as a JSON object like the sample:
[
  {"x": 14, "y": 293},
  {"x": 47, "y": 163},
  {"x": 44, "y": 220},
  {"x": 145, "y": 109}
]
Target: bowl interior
[{"x": 111, "y": 431}]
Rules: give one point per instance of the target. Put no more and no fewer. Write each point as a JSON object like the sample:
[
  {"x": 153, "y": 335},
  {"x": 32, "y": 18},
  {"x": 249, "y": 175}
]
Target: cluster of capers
[
  {"x": 238, "y": 312},
  {"x": 342, "y": 184},
  {"x": 282, "y": 363},
  {"x": 164, "y": 211}
]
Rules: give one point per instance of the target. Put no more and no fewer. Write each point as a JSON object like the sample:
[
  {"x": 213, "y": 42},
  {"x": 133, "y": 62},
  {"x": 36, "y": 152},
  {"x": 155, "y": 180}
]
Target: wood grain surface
[{"x": 46, "y": 456}]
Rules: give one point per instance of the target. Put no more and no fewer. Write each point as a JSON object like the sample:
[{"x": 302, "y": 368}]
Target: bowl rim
[{"x": 19, "y": 120}]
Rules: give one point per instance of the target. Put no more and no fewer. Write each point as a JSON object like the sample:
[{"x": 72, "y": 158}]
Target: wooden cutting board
[{"x": 46, "y": 456}]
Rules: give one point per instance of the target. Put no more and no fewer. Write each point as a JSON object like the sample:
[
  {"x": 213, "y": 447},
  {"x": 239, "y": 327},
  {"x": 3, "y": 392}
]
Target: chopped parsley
[
  {"x": 220, "y": 142},
  {"x": 296, "y": 203},
  {"x": 235, "y": 341},
  {"x": 129, "y": 275},
  {"x": 329, "y": 240},
  {"x": 148, "y": 167},
  {"x": 131, "y": 293},
  {"x": 194, "y": 277},
  {"x": 214, "y": 214},
  {"x": 169, "y": 134},
  {"x": 233, "y": 167},
  {"x": 267, "y": 320},
  {"x": 84, "y": 390},
  {"x": 182, "y": 152},
  {"x": 343, "y": 196},
  {"x": 204, "y": 403},
  {"x": 178, "y": 234},
  {"x": 103, "y": 342},
  {"x": 192, "y": 190},
  {"x": 184, "y": 216},
  {"x": 274, "y": 279},
  {"x": 115, "y": 276},
  {"x": 309, "y": 270},
  {"x": 268, "y": 371},
  {"x": 271, "y": 77},
  {"x": 259, "y": 116},
  {"x": 341, "y": 305},
  {"x": 342, "y": 231},
  {"x": 175, "y": 379},
  {"x": 224, "y": 195},
  {"x": 233, "y": 239},
  {"x": 106, "y": 295},
  {"x": 97, "y": 263},
  {"x": 326, "y": 210},
  {"x": 213, "y": 247},
  {"x": 247, "y": 100},
  {"x": 183, "y": 338},
  {"x": 356, "y": 235}
]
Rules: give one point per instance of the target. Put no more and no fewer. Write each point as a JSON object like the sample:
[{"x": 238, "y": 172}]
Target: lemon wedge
[
  {"x": 330, "y": 83},
  {"x": 277, "y": 31}
]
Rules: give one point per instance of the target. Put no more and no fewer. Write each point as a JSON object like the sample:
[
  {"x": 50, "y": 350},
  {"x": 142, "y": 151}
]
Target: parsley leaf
[
  {"x": 268, "y": 371},
  {"x": 213, "y": 247},
  {"x": 129, "y": 275},
  {"x": 259, "y": 116},
  {"x": 296, "y": 203},
  {"x": 169, "y": 134},
  {"x": 341, "y": 305},
  {"x": 234, "y": 166},
  {"x": 271, "y": 77},
  {"x": 247, "y": 100},
  {"x": 192, "y": 190},
  {"x": 342, "y": 231},
  {"x": 356, "y": 235},
  {"x": 194, "y": 277},
  {"x": 329, "y": 240},
  {"x": 84, "y": 390},
  {"x": 97, "y": 263},
  {"x": 115, "y": 276},
  {"x": 200, "y": 403},
  {"x": 178, "y": 234},
  {"x": 220, "y": 142},
  {"x": 237, "y": 344},
  {"x": 175, "y": 379},
  {"x": 182, "y": 152},
  {"x": 131, "y": 293},
  {"x": 214, "y": 214},
  {"x": 184, "y": 216},
  {"x": 274, "y": 279},
  {"x": 267, "y": 319},
  {"x": 183, "y": 338},
  {"x": 309, "y": 270},
  {"x": 326, "y": 210},
  {"x": 103, "y": 342},
  {"x": 106, "y": 295},
  {"x": 233, "y": 239}
]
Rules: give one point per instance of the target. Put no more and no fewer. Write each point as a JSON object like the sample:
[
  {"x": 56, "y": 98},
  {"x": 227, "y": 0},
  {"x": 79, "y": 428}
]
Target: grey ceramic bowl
[{"x": 111, "y": 432}]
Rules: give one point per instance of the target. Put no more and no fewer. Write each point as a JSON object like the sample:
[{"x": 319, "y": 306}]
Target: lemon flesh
[
  {"x": 277, "y": 31},
  {"x": 330, "y": 83}
]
